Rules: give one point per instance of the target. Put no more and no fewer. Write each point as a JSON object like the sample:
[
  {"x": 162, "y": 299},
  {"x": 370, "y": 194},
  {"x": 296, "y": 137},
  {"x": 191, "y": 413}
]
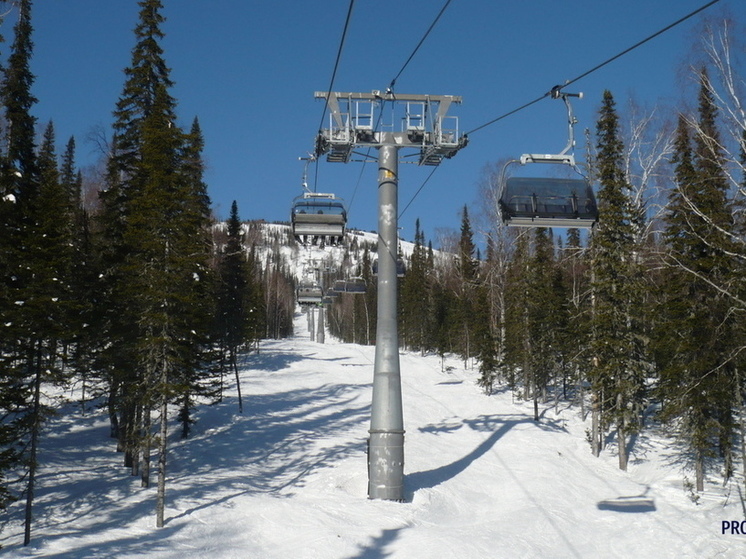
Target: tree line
[{"x": 140, "y": 302}]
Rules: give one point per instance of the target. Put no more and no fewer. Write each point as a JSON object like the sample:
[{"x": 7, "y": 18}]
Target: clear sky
[{"x": 248, "y": 69}]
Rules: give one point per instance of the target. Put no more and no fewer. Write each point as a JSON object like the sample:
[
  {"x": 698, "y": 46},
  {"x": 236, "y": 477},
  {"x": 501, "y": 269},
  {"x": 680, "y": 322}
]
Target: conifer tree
[
  {"x": 618, "y": 375},
  {"x": 146, "y": 78},
  {"x": 232, "y": 316},
  {"x": 485, "y": 340},
  {"x": 545, "y": 318},
  {"x": 195, "y": 376},
  {"x": 517, "y": 337},
  {"x": 367, "y": 302},
  {"x": 697, "y": 338},
  {"x": 467, "y": 269},
  {"x": 17, "y": 99},
  {"x": 47, "y": 300},
  {"x": 535, "y": 318},
  {"x": 155, "y": 212},
  {"x": 29, "y": 338},
  {"x": 83, "y": 273},
  {"x": 415, "y": 297},
  {"x": 490, "y": 305},
  {"x": 577, "y": 335}
]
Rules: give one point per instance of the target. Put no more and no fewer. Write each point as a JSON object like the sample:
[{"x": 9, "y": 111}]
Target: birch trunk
[
  {"x": 162, "y": 447},
  {"x": 595, "y": 417},
  {"x": 36, "y": 424},
  {"x": 234, "y": 365}
]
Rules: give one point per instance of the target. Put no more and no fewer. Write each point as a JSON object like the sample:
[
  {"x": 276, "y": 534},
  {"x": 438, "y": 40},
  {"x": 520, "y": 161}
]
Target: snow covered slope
[{"x": 287, "y": 479}]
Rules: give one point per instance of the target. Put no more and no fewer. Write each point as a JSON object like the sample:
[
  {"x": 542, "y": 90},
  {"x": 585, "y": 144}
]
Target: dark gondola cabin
[{"x": 548, "y": 202}]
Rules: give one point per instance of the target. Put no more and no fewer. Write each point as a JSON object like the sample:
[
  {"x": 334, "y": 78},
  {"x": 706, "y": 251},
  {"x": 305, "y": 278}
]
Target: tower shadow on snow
[{"x": 432, "y": 478}]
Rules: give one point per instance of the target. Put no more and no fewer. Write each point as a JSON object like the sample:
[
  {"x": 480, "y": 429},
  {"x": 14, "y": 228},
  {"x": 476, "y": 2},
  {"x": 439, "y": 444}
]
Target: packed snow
[{"x": 287, "y": 478}]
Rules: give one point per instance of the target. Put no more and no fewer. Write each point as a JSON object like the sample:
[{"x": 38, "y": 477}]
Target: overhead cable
[
  {"x": 411, "y": 56},
  {"x": 401, "y": 213},
  {"x": 633, "y": 47},
  {"x": 393, "y": 83},
  {"x": 334, "y": 75},
  {"x": 597, "y": 67},
  {"x": 336, "y": 62}
]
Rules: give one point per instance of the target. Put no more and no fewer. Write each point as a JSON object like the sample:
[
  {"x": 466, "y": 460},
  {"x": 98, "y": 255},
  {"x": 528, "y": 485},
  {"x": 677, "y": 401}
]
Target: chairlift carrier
[
  {"x": 309, "y": 294},
  {"x": 549, "y": 202},
  {"x": 401, "y": 268},
  {"x": 319, "y": 215},
  {"x": 355, "y": 285}
]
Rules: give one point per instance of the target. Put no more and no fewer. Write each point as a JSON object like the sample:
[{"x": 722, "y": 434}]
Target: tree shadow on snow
[
  {"x": 269, "y": 361},
  {"x": 283, "y": 438},
  {"x": 376, "y": 549},
  {"x": 82, "y": 488}
]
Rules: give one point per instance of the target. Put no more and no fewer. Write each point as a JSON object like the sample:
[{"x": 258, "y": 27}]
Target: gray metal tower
[{"x": 425, "y": 127}]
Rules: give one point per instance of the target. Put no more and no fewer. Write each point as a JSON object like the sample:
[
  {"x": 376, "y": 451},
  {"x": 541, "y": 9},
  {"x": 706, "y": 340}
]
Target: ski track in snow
[{"x": 287, "y": 479}]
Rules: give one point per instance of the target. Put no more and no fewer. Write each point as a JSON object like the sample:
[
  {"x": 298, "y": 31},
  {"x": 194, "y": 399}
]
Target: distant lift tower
[{"x": 428, "y": 129}]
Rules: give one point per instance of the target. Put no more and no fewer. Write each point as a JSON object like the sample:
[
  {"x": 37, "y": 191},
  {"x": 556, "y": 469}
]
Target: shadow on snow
[
  {"x": 376, "y": 548},
  {"x": 496, "y": 425},
  {"x": 280, "y": 440}
]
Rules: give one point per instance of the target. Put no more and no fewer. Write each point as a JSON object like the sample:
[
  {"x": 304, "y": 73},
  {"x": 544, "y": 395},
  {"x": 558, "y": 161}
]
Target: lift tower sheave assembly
[{"x": 427, "y": 128}]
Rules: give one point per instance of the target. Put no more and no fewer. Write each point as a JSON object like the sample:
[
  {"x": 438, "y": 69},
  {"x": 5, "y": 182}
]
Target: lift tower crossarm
[
  {"x": 351, "y": 127},
  {"x": 387, "y": 96}
]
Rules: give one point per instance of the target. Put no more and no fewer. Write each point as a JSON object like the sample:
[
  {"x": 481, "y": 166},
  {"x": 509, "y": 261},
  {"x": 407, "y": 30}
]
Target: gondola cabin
[
  {"x": 318, "y": 218},
  {"x": 548, "y": 202}
]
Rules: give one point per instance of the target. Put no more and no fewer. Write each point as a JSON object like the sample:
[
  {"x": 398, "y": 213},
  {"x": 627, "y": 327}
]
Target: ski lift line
[
  {"x": 411, "y": 56},
  {"x": 418, "y": 191},
  {"x": 506, "y": 115},
  {"x": 391, "y": 97},
  {"x": 640, "y": 43},
  {"x": 357, "y": 185},
  {"x": 331, "y": 83},
  {"x": 336, "y": 62},
  {"x": 557, "y": 88}
]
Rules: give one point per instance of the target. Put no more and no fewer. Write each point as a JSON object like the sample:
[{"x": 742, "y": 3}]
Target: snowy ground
[{"x": 287, "y": 479}]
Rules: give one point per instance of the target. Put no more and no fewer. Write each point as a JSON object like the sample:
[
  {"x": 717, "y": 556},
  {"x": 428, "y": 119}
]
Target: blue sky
[{"x": 248, "y": 69}]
